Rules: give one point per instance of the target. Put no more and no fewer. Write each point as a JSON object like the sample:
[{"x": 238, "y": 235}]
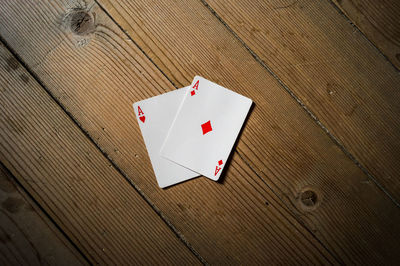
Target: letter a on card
[
  {"x": 217, "y": 170},
  {"x": 140, "y": 112},
  {"x": 196, "y": 86},
  {"x": 141, "y": 115}
]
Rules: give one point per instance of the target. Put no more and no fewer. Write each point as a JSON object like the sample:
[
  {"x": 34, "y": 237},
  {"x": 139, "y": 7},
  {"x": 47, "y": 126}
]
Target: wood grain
[
  {"x": 315, "y": 52},
  {"x": 379, "y": 21},
  {"x": 281, "y": 153},
  {"x": 27, "y": 236},
  {"x": 335, "y": 72},
  {"x": 279, "y": 142},
  {"x": 239, "y": 221},
  {"x": 70, "y": 178}
]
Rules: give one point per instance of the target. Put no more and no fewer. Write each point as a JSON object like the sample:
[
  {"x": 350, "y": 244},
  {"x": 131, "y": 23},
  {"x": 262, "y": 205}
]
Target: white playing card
[
  {"x": 155, "y": 116},
  {"x": 206, "y": 127}
]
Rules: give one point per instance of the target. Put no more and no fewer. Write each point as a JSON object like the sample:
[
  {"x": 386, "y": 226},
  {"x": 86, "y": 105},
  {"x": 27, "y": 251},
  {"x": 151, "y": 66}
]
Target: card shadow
[{"x": 221, "y": 179}]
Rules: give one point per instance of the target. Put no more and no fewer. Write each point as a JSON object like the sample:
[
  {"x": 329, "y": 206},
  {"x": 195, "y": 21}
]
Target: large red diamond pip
[{"x": 206, "y": 127}]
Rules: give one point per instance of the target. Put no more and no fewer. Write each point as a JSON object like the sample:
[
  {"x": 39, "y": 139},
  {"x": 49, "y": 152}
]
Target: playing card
[
  {"x": 155, "y": 116},
  {"x": 206, "y": 127}
]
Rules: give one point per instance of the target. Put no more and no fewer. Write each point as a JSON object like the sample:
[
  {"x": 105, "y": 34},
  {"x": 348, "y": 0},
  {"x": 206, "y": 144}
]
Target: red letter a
[
  {"x": 140, "y": 112},
  {"x": 196, "y": 86},
  {"x": 217, "y": 170}
]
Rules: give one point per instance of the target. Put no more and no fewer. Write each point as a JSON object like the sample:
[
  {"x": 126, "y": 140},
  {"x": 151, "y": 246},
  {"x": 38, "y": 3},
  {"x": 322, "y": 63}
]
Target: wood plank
[
  {"x": 228, "y": 222},
  {"x": 279, "y": 142},
  {"x": 379, "y": 21},
  {"x": 335, "y": 72},
  {"x": 358, "y": 107},
  {"x": 73, "y": 182},
  {"x": 241, "y": 221},
  {"x": 27, "y": 236}
]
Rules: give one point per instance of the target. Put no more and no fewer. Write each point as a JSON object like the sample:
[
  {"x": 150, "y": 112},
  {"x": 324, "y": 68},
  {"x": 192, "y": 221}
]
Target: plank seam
[
  {"x": 247, "y": 163},
  {"x": 291, "y": 212},
  {"x": 178, "y": 234},
  {"x": 357, "y": 29},
  {"x": 134, "y": 42},
  {"x": 46, "y": 214},
  {"x": 303, "y": 106},
  {"x": 162, "y": 216}
]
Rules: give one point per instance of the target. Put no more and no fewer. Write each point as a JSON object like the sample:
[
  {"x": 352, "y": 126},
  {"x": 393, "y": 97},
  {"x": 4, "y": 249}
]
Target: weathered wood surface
[
  {"x": 350, "y": 87},
  {"x": 312, "y": 49},
  {"x": 259, "y": 213},
  {"x": 241, "y": 220},
  {"x": 27, "y": 236},
  {"x": 69, "y": 177},
  {"x": 185, "y": 39},
  {"x": 379, "y": 21}
]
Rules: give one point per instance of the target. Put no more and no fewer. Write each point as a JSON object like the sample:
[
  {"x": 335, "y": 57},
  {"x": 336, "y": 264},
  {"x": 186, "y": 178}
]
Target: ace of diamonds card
[{"x": 205, "y": 128}]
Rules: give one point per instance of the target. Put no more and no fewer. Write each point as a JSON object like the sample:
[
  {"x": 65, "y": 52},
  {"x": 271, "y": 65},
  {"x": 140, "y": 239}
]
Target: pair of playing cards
[{"x": 191, "y": 131}]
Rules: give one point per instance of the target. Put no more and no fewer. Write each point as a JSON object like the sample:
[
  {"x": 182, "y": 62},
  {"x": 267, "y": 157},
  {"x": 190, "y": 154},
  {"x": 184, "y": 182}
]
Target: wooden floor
[{"x": 313, "y": 179}]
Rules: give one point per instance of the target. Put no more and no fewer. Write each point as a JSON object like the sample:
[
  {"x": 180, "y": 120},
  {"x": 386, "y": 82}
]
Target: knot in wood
[
  {"x": 309, "y": 198},
  {"x": 81, "y": 22}
]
